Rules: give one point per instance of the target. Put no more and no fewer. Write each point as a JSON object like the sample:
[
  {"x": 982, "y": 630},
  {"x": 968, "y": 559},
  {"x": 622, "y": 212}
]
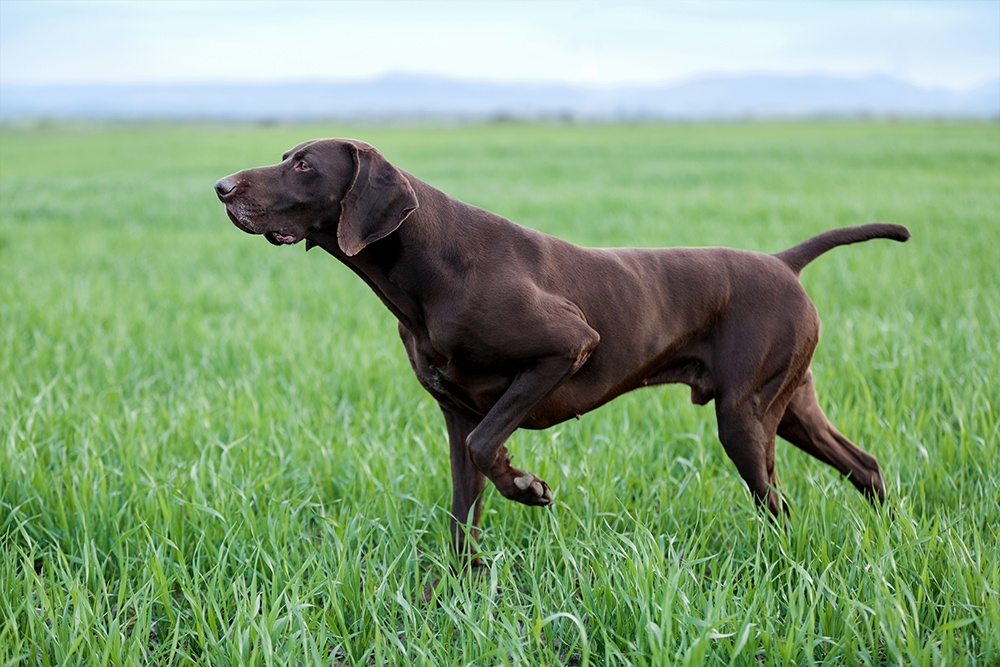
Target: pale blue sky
[{"x": 952, "y": 44}]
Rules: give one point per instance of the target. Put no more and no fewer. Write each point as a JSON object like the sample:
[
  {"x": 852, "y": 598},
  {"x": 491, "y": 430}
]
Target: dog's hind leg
[
  {"x": 749, "y": 410},
  {"x": 806, "y": 426},
  {"x": 749, "y": 442}
]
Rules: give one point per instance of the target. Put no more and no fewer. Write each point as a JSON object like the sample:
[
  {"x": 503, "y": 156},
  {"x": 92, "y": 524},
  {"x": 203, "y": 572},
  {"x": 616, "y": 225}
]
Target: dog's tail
[{"x": 797, "y": 257}]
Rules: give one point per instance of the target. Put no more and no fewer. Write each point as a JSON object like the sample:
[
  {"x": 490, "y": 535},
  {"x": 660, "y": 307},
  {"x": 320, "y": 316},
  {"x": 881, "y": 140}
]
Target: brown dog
[{"x": 507, "y": 327}]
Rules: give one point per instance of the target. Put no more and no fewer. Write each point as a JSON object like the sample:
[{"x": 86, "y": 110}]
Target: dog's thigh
[{"x": 750, "y": 445}]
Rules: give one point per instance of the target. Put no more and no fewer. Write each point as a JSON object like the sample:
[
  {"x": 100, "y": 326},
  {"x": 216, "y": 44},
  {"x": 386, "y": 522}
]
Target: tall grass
[{"x": 213, "y": 451}]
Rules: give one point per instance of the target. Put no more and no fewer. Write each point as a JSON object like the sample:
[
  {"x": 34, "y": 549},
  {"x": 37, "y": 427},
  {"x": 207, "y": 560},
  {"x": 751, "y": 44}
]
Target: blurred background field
[{"x": 214, "y": 452}]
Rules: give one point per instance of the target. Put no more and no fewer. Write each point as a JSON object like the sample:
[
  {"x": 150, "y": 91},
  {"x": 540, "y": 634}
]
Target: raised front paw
[{"x": 527, "y": 488}]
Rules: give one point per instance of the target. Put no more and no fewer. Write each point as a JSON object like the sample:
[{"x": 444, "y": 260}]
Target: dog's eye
[{"x": 302, "y": 165}]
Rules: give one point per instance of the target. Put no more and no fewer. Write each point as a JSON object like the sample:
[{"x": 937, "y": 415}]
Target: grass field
[{"x": 213, "y": 452}]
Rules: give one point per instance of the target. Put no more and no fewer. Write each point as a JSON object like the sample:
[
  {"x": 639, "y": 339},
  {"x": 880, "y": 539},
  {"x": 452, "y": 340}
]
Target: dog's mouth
[
  {"x": 275, "y": 238},
  {"x": 281, "y": 239}
]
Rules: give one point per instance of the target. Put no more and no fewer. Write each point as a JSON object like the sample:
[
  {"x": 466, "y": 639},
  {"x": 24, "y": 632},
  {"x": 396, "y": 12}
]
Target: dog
[{"x": 507, "y": 327}]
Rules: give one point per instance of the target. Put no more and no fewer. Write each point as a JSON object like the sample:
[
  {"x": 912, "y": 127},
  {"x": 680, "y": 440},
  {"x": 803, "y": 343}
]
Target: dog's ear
[{"x": 376, "y": 203}]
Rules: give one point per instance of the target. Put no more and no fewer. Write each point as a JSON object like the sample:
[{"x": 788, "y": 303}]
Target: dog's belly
[
  {"x": 474, "y": 390},
  {"x": 604, "y": 381}
]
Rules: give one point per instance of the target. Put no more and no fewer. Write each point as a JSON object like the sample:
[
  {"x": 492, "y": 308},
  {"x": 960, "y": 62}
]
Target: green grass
[{"x": 213, "y": 452}]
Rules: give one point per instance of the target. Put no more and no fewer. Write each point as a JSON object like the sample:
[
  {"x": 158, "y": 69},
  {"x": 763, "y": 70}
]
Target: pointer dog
[{"x": 509, "y": 328}]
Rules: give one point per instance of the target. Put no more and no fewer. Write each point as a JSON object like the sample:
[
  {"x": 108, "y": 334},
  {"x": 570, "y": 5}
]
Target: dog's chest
[{"x": 450, "y": 382}]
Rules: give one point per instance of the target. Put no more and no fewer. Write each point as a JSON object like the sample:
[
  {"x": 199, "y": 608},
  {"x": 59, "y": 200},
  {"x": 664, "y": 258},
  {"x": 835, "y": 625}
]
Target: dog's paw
[{"x": 528, "y": 489}]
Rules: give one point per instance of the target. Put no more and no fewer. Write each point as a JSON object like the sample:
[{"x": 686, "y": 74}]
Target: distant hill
[{"x": 417, "y": 96}]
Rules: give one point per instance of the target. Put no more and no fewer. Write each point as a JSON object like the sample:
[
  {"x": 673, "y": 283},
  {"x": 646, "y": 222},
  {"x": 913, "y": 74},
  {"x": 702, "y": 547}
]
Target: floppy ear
[{"x": 376, "y": 203}]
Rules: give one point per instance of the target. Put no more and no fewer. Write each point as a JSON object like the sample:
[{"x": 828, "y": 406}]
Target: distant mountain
[{"x": 417, "y": 96}]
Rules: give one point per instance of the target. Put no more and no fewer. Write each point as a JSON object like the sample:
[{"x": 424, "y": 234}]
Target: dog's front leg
[
  {"x": 530, "y": 386},
  {"x": 467, "y": 483}
]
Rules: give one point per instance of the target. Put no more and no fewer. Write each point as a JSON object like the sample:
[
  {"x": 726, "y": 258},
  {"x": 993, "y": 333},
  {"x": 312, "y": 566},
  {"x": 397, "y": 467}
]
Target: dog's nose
[{"x": 224, "y": 187}]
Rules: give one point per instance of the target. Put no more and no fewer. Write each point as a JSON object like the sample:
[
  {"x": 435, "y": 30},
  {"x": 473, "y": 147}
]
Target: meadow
[{"x": 213, "y": 451}]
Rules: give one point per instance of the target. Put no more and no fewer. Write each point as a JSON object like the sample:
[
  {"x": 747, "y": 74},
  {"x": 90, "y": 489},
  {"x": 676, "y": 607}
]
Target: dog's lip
[
  {"x": 236, "y": 221},
  {"x": 282, "y": 239}
]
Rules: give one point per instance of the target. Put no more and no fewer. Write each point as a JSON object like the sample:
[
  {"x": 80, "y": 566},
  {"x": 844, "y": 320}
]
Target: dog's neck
[
  {"x": 374, "y": 266},
  {"x": 378, "y": 264},
  {"x": 416, "y": 264}
]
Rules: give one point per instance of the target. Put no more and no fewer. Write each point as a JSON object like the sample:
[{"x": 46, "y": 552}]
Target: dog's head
[{"x": 323, "y": 184}]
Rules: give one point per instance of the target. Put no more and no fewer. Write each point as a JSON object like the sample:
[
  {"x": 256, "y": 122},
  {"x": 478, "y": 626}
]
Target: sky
[{"x": 952, "y": 44}]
